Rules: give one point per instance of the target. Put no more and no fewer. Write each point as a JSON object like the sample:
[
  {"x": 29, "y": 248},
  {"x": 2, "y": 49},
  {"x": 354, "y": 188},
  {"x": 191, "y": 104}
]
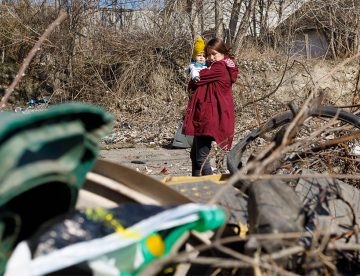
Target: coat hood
[{"x": 232, "y": 68}]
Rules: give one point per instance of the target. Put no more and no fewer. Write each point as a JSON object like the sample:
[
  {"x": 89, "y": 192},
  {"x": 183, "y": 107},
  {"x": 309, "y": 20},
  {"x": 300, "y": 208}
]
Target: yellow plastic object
[
  {"x": 216, "y": 178},
  {"x": 202, "y": 189},
  {"x": 155, "y": 244}
]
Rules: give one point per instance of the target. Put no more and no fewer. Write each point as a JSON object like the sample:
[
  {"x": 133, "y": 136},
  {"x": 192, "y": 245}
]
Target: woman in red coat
[{"x": 210, "y": 113}]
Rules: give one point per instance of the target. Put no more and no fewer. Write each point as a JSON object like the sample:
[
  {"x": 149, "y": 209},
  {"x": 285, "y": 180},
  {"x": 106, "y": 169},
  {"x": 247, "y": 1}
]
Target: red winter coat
[{"x": 210, "y": 111}]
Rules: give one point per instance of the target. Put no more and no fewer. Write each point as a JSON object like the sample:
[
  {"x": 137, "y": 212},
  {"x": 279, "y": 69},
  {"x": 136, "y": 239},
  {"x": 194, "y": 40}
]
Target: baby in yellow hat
[{"x": 198, "y": 59}]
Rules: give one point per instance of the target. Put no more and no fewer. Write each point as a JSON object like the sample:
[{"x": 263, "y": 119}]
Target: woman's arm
[{"x": 216, "y": 72}]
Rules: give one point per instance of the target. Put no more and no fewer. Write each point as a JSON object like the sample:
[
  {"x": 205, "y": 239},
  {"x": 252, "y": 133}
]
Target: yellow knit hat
[{"x": 199, "y": 47}]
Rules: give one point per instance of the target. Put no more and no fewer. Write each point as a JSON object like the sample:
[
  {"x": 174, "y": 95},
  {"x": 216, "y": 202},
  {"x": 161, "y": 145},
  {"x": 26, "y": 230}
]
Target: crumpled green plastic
[{"x": 44, "y": 158}]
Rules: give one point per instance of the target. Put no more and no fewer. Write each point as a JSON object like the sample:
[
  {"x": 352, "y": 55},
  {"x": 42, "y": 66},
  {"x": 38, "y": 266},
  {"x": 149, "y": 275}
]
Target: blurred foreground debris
[
  {"x": 332, "y": 199},
  {"x": 120, "y": 226},
  {"x": 65, "y": 212}
]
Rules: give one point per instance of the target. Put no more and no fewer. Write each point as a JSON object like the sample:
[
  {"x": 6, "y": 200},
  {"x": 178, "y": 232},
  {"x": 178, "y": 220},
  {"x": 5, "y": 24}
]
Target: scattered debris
[
  {"x": 138, "y": 162},
  {"x": 355, "y": 150},
  {"x": 287, "y": 209},
  {"x": 147, "y": 170},
  {"x": 298, "y": 192},
  {"x": 164, "y": 171},
  {"x": 37, "y": 101},
  {"x": 125, "y": 125}
]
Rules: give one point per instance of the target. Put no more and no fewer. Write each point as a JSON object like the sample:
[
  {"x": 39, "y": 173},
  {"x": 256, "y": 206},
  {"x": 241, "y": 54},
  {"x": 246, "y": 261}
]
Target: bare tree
[
  {"x": 243, "y": 26},
  {"x": 234, "y": 18},
  {"x": 195, "y": 24},
  {"x": 219, "y": 19},
  {"x": 358, "y": 35}
]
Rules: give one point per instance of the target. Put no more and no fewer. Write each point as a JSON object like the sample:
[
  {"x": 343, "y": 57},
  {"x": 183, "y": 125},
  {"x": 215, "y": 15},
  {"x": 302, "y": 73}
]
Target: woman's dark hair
[{"x": 218, "y": 45}]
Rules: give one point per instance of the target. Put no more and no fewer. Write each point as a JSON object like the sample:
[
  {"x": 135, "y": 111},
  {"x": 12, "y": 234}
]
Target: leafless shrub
[{"x": 89, "y": 60}]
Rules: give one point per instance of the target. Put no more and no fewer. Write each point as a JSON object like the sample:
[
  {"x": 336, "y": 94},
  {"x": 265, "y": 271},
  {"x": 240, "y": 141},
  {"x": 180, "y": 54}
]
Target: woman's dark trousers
[{"x": 199, "y": 155}]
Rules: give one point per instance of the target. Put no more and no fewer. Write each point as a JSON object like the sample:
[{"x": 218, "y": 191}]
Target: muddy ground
[{"x": 154, "y": 161}]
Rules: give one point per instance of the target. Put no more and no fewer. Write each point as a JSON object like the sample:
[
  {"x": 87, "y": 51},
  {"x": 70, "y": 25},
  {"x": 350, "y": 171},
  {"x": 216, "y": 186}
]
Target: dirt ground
[{"x": 154, "y": 161}]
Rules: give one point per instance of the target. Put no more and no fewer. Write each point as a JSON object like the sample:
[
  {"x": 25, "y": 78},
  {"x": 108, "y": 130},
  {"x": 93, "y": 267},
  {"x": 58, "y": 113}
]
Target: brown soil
[{"x": 154, "y": 161}]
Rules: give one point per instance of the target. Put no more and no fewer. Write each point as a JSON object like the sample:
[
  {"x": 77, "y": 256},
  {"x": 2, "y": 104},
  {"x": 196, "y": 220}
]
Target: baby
[{"x": 198, "y": 59}]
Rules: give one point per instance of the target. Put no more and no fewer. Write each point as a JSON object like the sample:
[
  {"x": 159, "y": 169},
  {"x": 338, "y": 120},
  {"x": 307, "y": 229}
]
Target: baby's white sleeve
[{"x": 194, "y": 71}]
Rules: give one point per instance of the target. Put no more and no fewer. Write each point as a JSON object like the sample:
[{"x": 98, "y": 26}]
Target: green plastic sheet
[{"x": 44, "y": 158}]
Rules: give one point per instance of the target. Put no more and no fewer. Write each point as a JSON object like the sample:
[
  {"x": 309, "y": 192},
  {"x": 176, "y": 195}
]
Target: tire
[{"x": 234, "y": 157}]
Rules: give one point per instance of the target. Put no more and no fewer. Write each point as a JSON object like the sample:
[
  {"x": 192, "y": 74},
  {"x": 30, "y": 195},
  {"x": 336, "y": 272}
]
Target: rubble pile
[
  {"x": 289, "y": 204},
  {"x": 301, "y": 191}
]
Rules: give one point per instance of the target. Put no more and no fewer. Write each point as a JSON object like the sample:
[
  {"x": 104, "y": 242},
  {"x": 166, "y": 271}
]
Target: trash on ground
[{"x": 289, "y": 209}]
